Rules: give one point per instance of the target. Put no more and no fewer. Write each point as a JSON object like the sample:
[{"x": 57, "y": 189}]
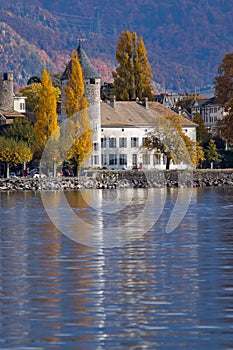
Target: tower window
[{"x": 92, "y": 81}]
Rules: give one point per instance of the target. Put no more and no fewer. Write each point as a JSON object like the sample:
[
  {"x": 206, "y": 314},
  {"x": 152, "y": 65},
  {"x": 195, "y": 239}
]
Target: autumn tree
[
  {"x": 47, "y": 119},
  {"x": 169, "y": 139},
  {"x": 13, "y": 152},
  {"x": 32, "y": 92},
  {"x": 224, "y": 95},
  {"x": 133, "y": 77},
  {"x": 212, "y": 153},
  {"x": 76, "y": 107}
]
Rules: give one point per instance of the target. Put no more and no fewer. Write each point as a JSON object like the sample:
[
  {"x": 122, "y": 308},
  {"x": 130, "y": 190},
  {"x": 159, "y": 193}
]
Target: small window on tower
[{"x": 92, "y": 81}]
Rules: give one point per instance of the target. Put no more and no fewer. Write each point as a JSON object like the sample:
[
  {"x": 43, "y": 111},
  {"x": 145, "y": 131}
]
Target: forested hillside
[{"x": 185, "y": 39}]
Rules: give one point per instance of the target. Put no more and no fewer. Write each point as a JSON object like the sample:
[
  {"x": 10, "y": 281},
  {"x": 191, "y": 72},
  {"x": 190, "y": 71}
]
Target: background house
[{"x": 210, "y": 111}]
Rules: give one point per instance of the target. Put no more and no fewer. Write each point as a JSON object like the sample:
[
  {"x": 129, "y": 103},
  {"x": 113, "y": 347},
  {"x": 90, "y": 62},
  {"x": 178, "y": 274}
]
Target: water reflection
[
  {"x": 164, "y": 290},
  {"x": 94, "y": 226}
]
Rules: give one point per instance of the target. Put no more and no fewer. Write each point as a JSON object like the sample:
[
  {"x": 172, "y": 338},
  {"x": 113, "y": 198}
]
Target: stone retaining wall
[{"x": 124, "y": 179}]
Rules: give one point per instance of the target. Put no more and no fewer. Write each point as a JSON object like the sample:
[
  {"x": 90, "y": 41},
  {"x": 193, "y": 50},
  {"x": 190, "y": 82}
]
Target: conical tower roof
[{"x": 87, "y": 67}]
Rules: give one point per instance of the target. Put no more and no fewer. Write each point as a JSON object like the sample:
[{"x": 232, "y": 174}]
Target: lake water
[{"x": 159, "y": 290}]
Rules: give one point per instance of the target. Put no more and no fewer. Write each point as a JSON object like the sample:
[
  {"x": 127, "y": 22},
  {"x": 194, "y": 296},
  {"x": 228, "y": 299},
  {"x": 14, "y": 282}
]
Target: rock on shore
[{"x": 104, "y": 179}]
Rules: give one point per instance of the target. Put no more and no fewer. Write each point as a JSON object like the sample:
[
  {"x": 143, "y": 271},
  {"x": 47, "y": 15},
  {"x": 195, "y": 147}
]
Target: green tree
[
  {"x": 14, "y": 152},
  {"x": 202, "y": 132},
  {"x": 186, "y": 103},
  {"x": 76, "y": 102},
  {"x": 47, "y": 119},
  {"x": 133, "y": 77},
  {"x": 212, "y": 153},
  {"x": 224, "y": 95},
  {"x": 22, "y": 130},
  {"x": 32, "y": 92}
]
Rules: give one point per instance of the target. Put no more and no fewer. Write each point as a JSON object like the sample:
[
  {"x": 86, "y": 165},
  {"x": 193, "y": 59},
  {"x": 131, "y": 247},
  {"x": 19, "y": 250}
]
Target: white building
[
  {"x": 20, "y": 104},
  {"x": 124, "y": 127},
  {"x": 119, "y": 128}
]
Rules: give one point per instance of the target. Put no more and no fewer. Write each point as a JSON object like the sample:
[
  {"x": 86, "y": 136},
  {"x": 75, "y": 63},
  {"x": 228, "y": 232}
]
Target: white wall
[
  {"x": 142, "y": 158},
  {"x": 20, "y": 104}
]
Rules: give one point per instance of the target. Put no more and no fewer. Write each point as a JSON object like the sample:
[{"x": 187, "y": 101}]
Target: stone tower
[
  {"x": 92, "y": 93},
  {"x": 6, "y": 92}
]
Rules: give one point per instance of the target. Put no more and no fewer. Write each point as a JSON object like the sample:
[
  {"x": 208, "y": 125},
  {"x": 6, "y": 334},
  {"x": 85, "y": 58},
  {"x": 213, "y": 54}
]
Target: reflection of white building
[{"x": 119, "y": 128}]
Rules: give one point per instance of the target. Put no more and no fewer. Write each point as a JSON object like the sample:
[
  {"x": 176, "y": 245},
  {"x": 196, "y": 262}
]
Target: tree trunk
[
  {"x": 168, "y": 161},
  {"x": 54, "y": 168},
  {"x": 7, "y": 170},
  {"x": 211, "y": 165}
]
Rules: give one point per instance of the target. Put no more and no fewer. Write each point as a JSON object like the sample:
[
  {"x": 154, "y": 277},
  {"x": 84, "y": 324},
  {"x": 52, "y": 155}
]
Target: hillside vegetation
[{"x": 185, "y": 39}]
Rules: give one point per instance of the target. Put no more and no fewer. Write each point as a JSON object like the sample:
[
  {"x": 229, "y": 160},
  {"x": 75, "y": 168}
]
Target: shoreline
[{"x": 106, "y": 179}]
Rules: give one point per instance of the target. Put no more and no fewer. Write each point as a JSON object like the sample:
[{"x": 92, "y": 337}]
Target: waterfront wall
[{"x": 125, "y": 179}]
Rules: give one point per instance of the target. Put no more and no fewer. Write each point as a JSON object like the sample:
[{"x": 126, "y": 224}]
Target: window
[
  {"x": 135, "y": 160},
  {"x": 122, "y": 142},
  {"x": 143, "y": 141},
  {"x": 103, "y": 142},
  {"x": 134, "y": 141},
  {"x": 112, "y": 159},
  {"x": 146, "y": 159},
  {"x": 112, "y": 142},
  {"x": 92, "y": 81},
  {"x": 96, "y": 146},
  {"x": 95, "y": 160},
  {"x": 22, "y": 106},
  {"x": 123, "y": 159},
  {"x": 156, "y": 158},
  {"x": 103, "y": 159}
]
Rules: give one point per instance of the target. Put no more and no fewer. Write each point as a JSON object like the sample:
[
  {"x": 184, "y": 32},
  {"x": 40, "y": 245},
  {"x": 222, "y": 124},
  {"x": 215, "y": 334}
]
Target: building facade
[{"x": 120, "y": 128}]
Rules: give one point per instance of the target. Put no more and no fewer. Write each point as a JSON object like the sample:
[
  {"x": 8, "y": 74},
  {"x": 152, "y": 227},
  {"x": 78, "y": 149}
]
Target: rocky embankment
[{"x": 124, "y": 179}]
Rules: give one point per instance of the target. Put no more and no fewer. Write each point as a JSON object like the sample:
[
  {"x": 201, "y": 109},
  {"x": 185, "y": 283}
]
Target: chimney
[
  {"x": 145, "y": 102},
  {"x": 113, "y": 102}
]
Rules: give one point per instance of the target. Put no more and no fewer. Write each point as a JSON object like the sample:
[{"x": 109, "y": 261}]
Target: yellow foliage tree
[
  {"x": 47, "y": 119},
  {"x": 133, "y": 77},
  {"x": 14, "y": 152},
  {"x": 76, "y": 107}
]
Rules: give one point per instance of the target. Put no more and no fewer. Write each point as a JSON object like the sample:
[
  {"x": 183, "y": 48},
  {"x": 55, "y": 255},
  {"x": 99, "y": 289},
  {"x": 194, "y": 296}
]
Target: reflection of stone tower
[
  {"x": 92, "y": 93},
  {"x": 6, "y": 92}
]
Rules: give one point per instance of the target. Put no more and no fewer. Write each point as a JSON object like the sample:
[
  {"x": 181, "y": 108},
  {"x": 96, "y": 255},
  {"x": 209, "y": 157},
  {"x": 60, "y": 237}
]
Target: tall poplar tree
[
  {"x": 133, "y": 77},
  {"x": 47, "y": 119},
  {"x": 142, "y": 72},
  {"x": 76, "y": 102}
]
